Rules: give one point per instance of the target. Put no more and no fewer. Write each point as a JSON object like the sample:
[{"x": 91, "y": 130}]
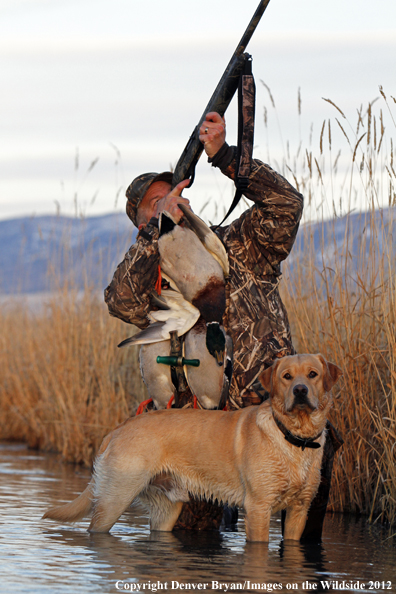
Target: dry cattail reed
[
  {"x": 341, "y": 299},
  {"x": 64, "y": 383}
]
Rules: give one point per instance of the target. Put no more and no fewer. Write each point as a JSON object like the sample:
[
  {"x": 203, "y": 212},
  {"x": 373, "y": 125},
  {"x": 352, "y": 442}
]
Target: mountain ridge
[
  {"x": 38, "y": 254},
  {"x": 41, "y": 253}
]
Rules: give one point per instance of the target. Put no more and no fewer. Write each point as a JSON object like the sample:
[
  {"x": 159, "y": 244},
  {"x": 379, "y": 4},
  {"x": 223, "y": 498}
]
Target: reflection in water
[{"x": 39, "y": 556}]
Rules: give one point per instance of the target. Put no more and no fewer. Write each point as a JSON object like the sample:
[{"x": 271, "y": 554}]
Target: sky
[{"x": 95, "y": 92}]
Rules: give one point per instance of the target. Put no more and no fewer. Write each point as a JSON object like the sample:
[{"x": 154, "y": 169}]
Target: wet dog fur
[{"x": 238, "y": 457}]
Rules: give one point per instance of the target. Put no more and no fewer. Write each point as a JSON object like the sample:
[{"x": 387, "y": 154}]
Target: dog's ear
[
  {"x": 266, "y": 377},
  {"x": 331, "y": 373}
]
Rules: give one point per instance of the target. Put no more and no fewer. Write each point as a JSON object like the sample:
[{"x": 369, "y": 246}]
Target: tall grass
[
  {"x": 342, "y": 302},
  {"x": 64, "y": 384}
]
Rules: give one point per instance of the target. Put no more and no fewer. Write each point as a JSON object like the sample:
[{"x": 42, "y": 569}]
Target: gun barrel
[
  {"x": 219, "y": 101},
  {"x": 246, "y": 37}
]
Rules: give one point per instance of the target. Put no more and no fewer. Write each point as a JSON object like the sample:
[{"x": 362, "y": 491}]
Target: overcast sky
[{"x": 95, "y": 92}]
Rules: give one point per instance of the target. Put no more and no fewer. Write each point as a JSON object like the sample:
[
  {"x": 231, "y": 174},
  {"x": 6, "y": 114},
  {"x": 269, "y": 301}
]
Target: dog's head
[{"x": 300, "y": 382}]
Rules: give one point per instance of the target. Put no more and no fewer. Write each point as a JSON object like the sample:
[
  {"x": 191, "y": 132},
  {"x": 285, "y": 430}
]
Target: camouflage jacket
[{"x": 256, "y": 243}]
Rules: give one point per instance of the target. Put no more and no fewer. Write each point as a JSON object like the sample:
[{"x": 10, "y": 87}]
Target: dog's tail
[
  {"x": 80, "y": 507},
  {"x": 74, "y": 511}
]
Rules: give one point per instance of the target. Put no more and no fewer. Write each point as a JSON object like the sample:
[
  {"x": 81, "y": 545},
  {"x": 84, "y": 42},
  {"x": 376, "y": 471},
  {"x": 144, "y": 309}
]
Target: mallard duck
[
  {"x": 201, "y": 276},
  {"x": 158, "y": 378},
  {"x": 196, "y": 273},
  {"x": 210, "y": 381},
  {"x": 174, "y": 314},
  {"x": 196, "y": 281},
  {"x": 194, "y": 262}
]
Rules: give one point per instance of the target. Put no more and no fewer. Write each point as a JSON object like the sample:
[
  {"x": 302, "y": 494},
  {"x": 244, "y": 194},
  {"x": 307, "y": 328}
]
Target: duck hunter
[{"x": 256, "y": 244}]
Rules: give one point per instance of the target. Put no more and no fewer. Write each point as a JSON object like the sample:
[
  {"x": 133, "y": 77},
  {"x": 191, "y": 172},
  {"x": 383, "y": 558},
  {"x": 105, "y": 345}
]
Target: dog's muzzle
[{"x": 301, "y": 400}]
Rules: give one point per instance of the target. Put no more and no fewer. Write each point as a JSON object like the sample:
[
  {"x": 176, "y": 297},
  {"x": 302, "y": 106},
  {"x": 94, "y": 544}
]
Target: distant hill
[
  {"x": 358, "y": 231},
  {"x": 38, "y": 254}
]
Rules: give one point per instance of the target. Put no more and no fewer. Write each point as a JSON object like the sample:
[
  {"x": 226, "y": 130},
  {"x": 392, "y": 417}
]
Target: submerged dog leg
[
  {"x": 296, "y": 517},
  {"x": 106, "y": 513},
  {"x": 107, "y": 510},
  {"x": 113, "y": 496},
  {"x": 257, "y": 521}
]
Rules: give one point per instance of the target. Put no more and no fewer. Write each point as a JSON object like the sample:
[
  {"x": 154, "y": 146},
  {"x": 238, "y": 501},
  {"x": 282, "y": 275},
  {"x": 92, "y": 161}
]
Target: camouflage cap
[{"x": 137, "y": 189}]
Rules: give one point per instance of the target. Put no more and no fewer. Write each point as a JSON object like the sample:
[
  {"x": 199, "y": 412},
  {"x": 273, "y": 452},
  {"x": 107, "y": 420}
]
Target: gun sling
[{"x": 246, "y": 115}]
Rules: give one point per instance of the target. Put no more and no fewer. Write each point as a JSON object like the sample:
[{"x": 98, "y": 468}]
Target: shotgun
[{"x": 220, "y": 100}]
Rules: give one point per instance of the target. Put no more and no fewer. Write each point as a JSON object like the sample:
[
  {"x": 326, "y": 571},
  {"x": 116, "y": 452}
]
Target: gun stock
[{"x": 219, "y": 101}]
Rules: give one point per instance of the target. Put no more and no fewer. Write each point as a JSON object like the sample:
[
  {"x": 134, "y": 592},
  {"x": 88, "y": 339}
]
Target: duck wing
[
  {"x": 176, "y": 314},
  {"x": 179, "y": 315},
  {"x": 156, "y": 332}
]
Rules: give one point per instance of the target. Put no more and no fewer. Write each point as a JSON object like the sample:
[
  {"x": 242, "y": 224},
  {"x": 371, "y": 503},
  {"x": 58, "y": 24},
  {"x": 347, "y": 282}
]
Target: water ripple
[{"x": 39, "y": 557}]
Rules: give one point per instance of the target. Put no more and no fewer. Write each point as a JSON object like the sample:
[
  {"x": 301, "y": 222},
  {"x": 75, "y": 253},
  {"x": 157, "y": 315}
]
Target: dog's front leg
[
  {"x": 296, "y": 517},
  {"x": 257, "y": 520}
]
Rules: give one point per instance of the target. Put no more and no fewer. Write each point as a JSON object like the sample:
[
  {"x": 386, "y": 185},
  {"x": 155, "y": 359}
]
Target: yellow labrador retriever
[{"x": 264, "y": 458}]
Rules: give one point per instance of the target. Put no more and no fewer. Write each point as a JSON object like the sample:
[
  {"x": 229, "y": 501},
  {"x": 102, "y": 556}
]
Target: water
[{"x": 39, "y": 556}]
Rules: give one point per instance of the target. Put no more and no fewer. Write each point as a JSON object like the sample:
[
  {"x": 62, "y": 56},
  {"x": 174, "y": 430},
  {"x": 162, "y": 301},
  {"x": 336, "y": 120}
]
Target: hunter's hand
[
  {"x": 171, "y": 200},
  {"x": 212, "y": 133}
]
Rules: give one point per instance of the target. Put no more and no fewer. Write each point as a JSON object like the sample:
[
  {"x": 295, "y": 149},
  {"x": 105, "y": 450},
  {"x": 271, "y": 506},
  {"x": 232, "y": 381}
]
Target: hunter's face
[{"x": 148, "y": 206}]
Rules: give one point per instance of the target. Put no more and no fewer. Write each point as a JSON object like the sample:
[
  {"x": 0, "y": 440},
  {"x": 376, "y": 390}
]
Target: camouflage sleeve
[
  {"x": 128, "y": 295},
  {"x": 268, "y": 229}
]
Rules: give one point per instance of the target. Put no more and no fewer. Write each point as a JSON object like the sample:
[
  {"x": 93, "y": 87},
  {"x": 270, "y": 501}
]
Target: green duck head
[{"x": 215, "y": 341}]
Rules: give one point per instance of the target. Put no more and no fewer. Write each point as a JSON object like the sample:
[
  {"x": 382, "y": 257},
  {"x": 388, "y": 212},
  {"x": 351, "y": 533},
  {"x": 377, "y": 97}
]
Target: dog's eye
[
  {"x": 312, "y": 374},
  {"x": 287, "y": 376}
]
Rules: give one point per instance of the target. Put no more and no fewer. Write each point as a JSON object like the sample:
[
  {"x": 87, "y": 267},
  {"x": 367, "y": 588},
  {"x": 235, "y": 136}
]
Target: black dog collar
[{"x": 300, "y": 442}]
